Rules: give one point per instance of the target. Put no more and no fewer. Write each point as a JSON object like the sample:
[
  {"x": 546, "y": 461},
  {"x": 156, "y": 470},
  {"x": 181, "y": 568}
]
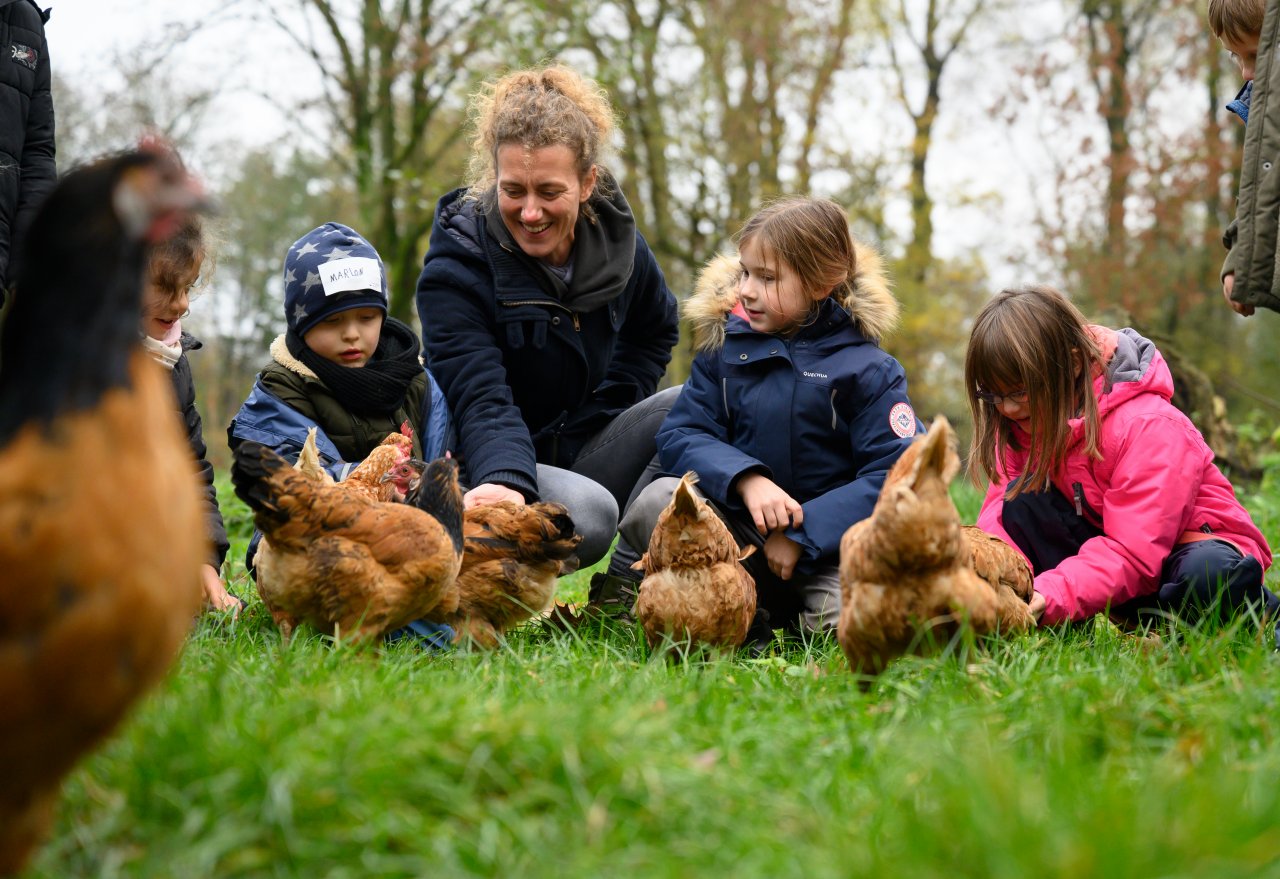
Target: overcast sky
[{"x": 983, "y": 175}]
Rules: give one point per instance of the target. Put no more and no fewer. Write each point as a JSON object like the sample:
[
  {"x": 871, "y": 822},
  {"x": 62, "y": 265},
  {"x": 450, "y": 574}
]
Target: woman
[{"x": 545, "y": 316}]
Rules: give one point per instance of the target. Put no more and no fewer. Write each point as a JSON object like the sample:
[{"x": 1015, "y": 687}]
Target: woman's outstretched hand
[{"x": 490, "y": 493}]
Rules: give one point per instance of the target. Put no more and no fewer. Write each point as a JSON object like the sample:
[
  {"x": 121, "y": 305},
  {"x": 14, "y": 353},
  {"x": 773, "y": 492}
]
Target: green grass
[{"x": 1080, "y": 752}]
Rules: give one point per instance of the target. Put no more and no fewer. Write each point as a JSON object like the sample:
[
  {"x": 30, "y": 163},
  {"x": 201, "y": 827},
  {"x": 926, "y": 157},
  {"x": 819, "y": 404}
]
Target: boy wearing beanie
[{"x": 341, "y": 366}]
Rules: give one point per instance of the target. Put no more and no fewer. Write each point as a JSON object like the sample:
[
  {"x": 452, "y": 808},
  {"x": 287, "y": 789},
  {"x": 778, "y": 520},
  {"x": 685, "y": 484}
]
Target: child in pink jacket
[{"x": 1108, "y": 490}]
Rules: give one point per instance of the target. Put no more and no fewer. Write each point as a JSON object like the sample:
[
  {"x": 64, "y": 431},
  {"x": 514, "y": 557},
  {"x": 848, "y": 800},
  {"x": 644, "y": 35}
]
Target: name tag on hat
[{"x": 350, "y": 273}]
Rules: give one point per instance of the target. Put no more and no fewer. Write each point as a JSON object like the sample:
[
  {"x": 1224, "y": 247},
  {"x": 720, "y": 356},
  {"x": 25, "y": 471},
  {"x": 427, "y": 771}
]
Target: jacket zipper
[
  {"x": 1083, "y": 510},
  {"x": 835, "y": 421},
  {"x": 577, "y": 326}
]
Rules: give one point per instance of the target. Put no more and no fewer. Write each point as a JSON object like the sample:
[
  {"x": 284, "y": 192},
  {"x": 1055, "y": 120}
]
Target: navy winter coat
[{"x": 529, "y": 375}]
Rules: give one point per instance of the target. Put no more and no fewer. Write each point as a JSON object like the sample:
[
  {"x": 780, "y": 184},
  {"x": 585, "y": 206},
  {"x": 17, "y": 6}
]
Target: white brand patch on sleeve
[
  {"x": 903, "y": 420},
  {"x": 350, "y": 273}
]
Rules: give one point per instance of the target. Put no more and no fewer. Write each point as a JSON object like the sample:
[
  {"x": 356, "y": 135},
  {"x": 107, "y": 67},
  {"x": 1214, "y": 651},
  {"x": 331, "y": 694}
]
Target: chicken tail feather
[
  {"x": 440, "y": 496},
  {"x": 685, "y": 502},
  {"x": 252, "y": 468}
]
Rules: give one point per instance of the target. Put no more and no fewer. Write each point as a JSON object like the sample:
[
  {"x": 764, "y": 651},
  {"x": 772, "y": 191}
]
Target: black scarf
[{"x": 378, "y": 387}]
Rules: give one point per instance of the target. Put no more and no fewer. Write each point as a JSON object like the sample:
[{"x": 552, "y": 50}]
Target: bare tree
[
  {"x": 935, "y": 36},
  {"x": 393, "y": 77}
]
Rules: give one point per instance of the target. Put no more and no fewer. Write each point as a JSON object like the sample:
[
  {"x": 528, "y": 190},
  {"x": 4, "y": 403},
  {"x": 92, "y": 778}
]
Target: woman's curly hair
[{"x": 535, "y": 108}]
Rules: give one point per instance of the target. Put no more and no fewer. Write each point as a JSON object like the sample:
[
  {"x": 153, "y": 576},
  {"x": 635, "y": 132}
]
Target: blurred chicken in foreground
[
  {"x": 694, "y": 588},
  {"x": 99, "y": 573},
  {"x": 907, "y": 572}
]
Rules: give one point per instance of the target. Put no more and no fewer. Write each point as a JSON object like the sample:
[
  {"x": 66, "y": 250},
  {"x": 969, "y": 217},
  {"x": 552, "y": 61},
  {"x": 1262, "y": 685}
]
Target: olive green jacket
[
  {"x": 298, "y": 387},
  {"x": 1252, "y": 238}
]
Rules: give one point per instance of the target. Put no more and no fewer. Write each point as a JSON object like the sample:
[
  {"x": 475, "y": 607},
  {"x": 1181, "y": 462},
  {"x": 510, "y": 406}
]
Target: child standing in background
[
  {"x": 1108, "y": 490},
  {"x": 1238, "y": 26},
  {"x": 793, "y": 414},
  {"x": 174, "y": 273}
]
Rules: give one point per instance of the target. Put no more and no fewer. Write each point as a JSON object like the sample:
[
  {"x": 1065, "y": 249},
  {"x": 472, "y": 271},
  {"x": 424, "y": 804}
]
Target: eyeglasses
[{"x": 1017, "y": 398}]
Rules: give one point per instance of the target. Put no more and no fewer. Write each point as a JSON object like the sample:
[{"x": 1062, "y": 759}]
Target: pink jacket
[{"x": 1155, "y": 483}]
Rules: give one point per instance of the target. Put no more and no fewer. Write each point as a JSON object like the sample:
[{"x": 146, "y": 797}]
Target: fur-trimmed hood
[{"x": 869, "y": 300}]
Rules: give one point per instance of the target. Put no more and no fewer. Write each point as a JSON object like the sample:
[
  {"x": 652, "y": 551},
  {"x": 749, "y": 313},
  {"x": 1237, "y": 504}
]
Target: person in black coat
[
  {"x": 173, "y": 273},
  {"x": 27, "y": 171},
  {"x": 545, "y": 316}
]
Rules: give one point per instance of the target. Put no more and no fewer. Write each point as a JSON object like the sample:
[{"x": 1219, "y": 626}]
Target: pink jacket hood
[{"x": 1155, "y": 483}]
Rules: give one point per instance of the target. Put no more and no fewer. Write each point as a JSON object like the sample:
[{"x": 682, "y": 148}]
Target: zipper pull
[
  {"x": 1078, "y": 489},
  {"x": 577, "y": 325}
]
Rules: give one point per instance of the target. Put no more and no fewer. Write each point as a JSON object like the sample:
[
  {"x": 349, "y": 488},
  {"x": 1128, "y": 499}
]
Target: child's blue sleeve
[
  {"x": 265, "y": 418},
  {"x": 435, "y": 422},
  {"x": 696, "y": 436}
]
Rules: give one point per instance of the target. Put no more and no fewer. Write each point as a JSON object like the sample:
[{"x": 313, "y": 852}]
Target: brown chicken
[
  {"x": 512, "y": 555},
  {"x": 906, "y": 572},
  {"x": 378, "y": 477},
  {"x": 100, "y": 509},
  {"x": 308, "y": 463},
  {"x": 1005, "y": 569},
  {"x": 695, "y": 589},
  {"x": 369, "y": 477},
  {"x": 346, "y": 563}
]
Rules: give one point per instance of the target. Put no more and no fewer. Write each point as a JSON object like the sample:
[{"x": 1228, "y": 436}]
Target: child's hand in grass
[{"x": 216, "y": 596}]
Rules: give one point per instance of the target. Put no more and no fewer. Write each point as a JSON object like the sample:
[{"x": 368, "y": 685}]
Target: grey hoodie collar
[{"x": 1132, "y": 357}]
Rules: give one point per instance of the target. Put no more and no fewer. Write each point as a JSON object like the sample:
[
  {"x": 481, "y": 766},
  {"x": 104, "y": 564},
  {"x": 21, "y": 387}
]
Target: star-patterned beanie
[{"x": 331, "y": 269}]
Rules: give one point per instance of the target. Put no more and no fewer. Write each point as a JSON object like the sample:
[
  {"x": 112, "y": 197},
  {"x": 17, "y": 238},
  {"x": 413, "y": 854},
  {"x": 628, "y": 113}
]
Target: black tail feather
[
  {"x": 252, "y": 466},
  {"x": 440, "y": 495}
]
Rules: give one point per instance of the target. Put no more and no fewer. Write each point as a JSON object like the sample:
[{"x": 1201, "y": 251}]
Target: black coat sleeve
[
  {"x": 464, "y": 357},
  {"x": 214, "y": 527},
  {"x": 37, "y": 171}
]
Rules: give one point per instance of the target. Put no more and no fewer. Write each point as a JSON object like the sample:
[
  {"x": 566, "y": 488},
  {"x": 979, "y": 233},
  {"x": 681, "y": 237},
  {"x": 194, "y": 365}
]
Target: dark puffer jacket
[
  {"x": 26, "y": 125},
  {"x": 823, "y": 413},
  {"x": 532, "y": 372}
]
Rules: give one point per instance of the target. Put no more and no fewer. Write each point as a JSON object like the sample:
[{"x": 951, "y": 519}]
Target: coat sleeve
[
  {"x": 37, "y": 171},
  {"x": 1253, "y": 256},
  {"x": 1229, "y": 238},
  {"x": 1150, "y": 495},
  {"x": 696, "y": 436},
  {"x": 214, "y": 526},
  {"x": 265, "y": 418},
  {"x": 458, "y": 338},
  {"x": 873, "y": 448}
]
